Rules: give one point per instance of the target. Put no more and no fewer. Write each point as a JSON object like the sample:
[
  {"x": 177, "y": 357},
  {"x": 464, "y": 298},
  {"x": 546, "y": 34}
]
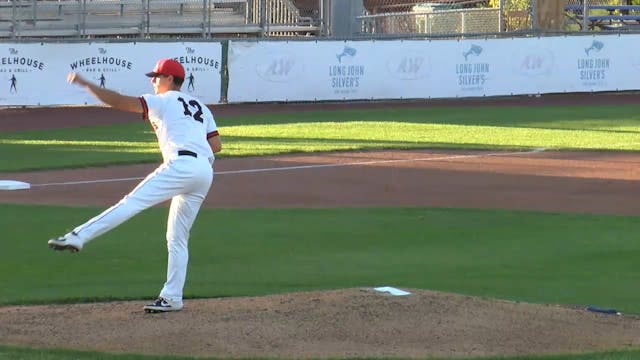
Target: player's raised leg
[{"x": 157, "y": 187}]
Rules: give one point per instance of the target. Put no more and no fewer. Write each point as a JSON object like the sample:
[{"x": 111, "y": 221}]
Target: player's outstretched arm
[{"x": 109, "y": 97}]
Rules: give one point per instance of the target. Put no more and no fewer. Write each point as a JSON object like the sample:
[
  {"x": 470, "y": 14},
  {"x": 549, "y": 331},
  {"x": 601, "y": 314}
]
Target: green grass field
[
  {"x": 534, "y": 257},
  {"x": 576, "y": 128},
  {"x": 576, "y": 259}
]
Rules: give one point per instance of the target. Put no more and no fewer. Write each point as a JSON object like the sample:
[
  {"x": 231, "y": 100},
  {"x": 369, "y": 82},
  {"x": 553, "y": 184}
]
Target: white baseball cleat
[
  {"x": 69, "y": 242},
  {"x": 162, "y": 305}
]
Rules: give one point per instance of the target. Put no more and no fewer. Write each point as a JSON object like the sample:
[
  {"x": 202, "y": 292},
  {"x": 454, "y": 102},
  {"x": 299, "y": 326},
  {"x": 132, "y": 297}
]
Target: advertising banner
[
  {"x": 265, "y": 71},
  {"x": 35, "y": 74},
  {"x": 422, "y": 69}
]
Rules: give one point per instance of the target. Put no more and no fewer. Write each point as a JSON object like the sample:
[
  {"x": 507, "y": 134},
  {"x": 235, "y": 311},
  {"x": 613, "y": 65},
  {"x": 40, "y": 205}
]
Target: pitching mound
[{"x": 341, "y": 323}]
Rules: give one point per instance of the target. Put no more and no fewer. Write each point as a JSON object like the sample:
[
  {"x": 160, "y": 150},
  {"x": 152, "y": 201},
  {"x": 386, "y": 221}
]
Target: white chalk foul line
[{"x": 303, "y": 167}]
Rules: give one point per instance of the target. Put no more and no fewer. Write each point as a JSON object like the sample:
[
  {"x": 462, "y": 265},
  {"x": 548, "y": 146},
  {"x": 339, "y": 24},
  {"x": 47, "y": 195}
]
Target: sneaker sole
[{"x": 57, "y": 247}]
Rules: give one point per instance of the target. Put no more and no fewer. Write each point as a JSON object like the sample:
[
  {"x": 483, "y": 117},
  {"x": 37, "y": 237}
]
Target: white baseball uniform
[{"x": 182, "y": 125}]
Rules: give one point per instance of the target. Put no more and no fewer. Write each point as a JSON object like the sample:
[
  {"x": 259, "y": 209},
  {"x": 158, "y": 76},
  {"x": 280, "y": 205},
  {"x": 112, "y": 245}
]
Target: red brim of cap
[{"x": 152, "y": 74}]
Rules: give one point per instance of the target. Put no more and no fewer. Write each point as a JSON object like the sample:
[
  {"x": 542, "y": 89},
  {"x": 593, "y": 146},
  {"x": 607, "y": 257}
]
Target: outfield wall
[
  {"x": 268, "y": 71},
  {"x": 416, "y": 69},
  {"x": 35, "y": 74}
]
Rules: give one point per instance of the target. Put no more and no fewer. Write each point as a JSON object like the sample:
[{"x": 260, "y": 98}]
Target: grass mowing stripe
[{"x": 587, "y": 127}]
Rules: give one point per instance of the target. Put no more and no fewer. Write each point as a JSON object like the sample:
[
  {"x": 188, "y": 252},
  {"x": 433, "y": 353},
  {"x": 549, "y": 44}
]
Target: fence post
[
  {"x": 249, "y": 12},
  {"x": 321, "y": 22},
  {"x": 14, "y": 19},
  {"x": 224, "y": 72},
  {"x": 585, "y": 15},
  {"x": 263, "y": 16},
  {"x": 82, "y": 17},
  {"x": 500, "y": 16},
  {"x": 210, "y": 9},
  {"x": 534, "y": 14},
  {"x": 146, "y": 18},
  {"x": 34, "y": 13},
  {"x": 205, "y": 11}
]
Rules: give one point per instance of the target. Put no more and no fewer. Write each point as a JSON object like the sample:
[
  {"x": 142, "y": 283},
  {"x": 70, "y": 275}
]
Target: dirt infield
[
  {"x": 589, "y": 182},
  {"x": 343, "y": 323},
  {"x": 351, "y": 322}
]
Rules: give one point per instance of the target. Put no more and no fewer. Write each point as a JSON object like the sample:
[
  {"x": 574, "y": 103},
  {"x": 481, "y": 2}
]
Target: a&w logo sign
[
  {"x": 278, "y": 70},
  {"x": 408, "y": 67}
]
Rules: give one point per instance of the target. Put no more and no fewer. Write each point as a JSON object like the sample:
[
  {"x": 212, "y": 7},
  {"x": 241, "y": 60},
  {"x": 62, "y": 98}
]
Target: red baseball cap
[{"x": 167, "y": 67}]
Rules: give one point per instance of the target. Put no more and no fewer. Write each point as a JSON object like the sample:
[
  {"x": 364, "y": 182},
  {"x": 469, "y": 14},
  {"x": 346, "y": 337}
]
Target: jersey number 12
[{"x": 194, "y": 104}]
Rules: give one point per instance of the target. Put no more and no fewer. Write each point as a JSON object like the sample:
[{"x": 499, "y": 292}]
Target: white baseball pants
[{"x": 186, "y": 181}]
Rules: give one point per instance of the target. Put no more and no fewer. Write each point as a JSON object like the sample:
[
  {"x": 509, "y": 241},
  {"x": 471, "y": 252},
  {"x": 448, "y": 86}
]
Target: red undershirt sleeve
[{"x": 145, "y": 108}]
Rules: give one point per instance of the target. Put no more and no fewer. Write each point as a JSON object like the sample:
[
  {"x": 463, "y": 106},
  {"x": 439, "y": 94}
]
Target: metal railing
[
  {"x": 282, "y": 17},
  {"x": 151, "y": 18}
]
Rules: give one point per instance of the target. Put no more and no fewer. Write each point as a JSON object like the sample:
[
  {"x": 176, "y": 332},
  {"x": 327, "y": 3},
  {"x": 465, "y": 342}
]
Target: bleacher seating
[
  {"x": 605, "y": 17},
  {"x": 147, "y": 18}
]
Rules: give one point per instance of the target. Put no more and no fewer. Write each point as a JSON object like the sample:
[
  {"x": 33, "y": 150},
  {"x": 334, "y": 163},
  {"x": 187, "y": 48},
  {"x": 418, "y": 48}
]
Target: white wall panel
[
  {"x": 415, "y": 69},
  {"x": 40, "y": 70}
]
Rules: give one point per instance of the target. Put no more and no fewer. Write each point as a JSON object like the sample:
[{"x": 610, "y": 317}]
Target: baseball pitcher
[{"x": 188, "y": 138}]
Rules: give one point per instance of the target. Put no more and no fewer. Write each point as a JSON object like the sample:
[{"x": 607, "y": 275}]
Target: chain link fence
[
  {"x": 144, "y": 19},
  {"x": 456, "y": 18},
  {"x": 446, "y": 17}
]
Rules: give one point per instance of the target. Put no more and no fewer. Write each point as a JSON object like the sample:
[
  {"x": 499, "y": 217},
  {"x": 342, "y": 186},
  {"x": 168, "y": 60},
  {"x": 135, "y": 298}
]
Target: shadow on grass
[{"x": 554, "y": 118}]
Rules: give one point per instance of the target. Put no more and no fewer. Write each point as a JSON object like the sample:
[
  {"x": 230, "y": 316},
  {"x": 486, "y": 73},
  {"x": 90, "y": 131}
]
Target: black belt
[{"x": 187, "y": 153}]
